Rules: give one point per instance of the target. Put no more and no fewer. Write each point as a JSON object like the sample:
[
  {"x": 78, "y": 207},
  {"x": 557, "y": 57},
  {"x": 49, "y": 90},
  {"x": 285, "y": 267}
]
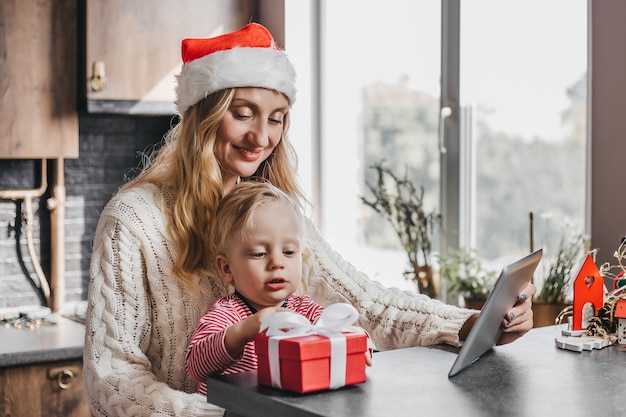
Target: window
[
  {"x": 371, "y": 88},
  {"x": 524, "y": 91}
]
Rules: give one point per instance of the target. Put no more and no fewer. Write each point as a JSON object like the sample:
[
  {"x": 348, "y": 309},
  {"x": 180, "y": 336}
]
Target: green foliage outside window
[{"x": 465, "y": 275}]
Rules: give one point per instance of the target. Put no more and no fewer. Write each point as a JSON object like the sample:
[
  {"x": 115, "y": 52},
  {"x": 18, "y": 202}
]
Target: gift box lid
[{"x": 311, "y": 346}]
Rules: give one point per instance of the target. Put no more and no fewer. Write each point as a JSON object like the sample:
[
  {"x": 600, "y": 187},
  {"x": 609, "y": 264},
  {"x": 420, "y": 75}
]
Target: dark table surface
[{"x": 530, "y": 377}]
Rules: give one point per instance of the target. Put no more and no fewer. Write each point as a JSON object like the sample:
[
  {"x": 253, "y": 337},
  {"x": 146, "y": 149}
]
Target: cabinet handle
[
  {"x": 98, "y": 79},
  {"x": 64, "y": 375}
]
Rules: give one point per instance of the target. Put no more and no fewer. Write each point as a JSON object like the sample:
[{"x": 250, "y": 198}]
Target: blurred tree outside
[
  {"x": 400, "y": 127},
  {"x": 544, "y": 175}
]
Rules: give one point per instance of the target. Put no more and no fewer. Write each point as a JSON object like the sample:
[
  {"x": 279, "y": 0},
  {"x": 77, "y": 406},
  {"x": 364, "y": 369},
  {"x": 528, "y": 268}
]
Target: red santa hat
[{"x": 248, "y": 57}]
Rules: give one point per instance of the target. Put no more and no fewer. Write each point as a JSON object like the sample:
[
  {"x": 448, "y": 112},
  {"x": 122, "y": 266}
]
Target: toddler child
[{"x": 258, "y": 235}]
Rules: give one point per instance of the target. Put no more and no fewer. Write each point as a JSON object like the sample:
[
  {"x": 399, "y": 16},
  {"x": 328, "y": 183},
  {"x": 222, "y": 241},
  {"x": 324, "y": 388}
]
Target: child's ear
[{"x": 223, "y": 267}]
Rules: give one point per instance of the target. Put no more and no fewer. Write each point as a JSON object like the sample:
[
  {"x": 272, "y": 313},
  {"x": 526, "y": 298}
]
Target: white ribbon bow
[{"x": 335, "y": 319}]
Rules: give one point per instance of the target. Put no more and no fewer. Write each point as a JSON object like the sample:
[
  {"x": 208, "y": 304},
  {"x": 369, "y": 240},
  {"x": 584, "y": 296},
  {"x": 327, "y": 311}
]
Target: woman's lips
[{"x": 248, "y": 154}]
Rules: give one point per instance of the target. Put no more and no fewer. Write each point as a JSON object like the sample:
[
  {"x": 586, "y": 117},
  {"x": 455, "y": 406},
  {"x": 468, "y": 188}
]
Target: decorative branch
[{"x": 399, "y": 202}]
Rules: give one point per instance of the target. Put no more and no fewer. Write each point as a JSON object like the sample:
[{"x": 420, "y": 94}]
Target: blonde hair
[
  {"x": 186, "y": 165},
  {"x": 236, "y": 212}
]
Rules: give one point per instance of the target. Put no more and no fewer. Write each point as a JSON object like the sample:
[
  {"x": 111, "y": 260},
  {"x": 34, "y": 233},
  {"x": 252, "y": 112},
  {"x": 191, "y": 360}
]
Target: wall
[
  {"x": 109, "y": 147},
  {"x": 608, "y": 145}
]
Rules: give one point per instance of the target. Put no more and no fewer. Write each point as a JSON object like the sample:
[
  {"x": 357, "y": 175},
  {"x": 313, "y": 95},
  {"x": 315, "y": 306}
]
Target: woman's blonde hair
[
  {"x": 187, "y": 167},
  {"x": 236, "y": 212}
]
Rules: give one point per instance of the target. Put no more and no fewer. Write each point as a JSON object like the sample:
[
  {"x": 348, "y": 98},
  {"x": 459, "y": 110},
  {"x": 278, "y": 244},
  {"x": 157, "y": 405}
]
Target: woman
[{"x": 151, "y": 270}]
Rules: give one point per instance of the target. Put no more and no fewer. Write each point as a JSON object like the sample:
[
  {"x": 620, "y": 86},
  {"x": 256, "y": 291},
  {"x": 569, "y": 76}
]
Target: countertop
[
  {"x": 527, "y": 378},
  {"x": 51, "y": 341}
]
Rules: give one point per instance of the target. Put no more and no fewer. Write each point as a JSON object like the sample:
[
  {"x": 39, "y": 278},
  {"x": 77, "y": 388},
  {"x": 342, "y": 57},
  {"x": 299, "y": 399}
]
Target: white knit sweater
[{"x": 140, "y": 319}]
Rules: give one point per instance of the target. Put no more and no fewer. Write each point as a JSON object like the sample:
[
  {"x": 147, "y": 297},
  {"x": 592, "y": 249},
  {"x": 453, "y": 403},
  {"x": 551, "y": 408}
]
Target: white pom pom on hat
[{"x": 248, "y": 57}]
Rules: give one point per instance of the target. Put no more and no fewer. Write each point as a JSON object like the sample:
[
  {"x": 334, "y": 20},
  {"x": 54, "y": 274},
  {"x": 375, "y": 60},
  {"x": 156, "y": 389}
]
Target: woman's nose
[{"x": 259, "y": 134}]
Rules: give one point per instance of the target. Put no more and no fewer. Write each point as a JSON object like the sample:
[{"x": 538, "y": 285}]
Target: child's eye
[
  {"x": 291, "y": 252},
  {"x": 258, "y": 254}
]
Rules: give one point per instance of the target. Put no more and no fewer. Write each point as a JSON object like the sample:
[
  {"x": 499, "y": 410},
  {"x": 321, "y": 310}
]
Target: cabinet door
[
  {"x": 51, "y": 390},
  {"x": 133, "y": 48},
  {"x": 38, "y": 73}
]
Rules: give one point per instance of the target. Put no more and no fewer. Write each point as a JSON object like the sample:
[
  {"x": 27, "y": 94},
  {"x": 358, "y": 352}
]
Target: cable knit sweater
[{"x": 140, "y": 318}]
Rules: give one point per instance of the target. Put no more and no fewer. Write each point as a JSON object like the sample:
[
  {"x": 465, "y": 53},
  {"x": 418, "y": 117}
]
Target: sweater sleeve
[
  {"x": 393, "y": 318},
  {"x": 118, "y": 374}
]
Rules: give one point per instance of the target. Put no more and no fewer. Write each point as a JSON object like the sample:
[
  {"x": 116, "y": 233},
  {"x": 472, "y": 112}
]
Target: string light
[{"x": 21, "y": 322}]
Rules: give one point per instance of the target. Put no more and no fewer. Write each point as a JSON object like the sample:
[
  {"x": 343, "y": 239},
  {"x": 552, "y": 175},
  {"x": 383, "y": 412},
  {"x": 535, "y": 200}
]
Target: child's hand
[
  {"x": 259, "y": 315},
  {"x": 368, "y": 357},
  {"x": 240, "y": 333}
]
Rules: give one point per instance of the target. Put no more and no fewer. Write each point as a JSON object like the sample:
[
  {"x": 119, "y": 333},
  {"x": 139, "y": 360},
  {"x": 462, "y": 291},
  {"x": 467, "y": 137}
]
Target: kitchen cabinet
[
  {"x": 38, "y": 79},
  {"x": 41, "y": 369},
  {"x": 53, "y": 389},
  {"x": 132, "y": 51}
]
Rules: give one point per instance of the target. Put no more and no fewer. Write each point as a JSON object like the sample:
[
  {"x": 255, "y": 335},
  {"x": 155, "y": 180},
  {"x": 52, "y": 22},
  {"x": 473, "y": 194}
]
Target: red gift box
[{"x": 305, "y": 361}]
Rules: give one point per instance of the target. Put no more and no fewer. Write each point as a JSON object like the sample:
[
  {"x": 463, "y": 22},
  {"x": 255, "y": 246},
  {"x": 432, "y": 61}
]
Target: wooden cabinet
[
  {"x": 52, "y": 389},
  {"x": 133, "y": 48},
  {"x": 38, "y": 73}
]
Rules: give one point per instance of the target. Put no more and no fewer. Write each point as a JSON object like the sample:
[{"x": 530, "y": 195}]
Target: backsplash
[{"x": 109, "y": 150}]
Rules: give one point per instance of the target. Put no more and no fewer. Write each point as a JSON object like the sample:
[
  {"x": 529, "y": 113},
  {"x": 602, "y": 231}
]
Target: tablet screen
[{"x": 488, "y": 326}]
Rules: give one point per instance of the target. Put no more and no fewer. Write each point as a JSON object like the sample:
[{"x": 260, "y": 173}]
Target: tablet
[{"x": 487, "y": 328}]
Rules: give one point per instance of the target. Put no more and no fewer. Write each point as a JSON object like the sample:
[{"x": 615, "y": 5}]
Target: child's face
[{"x": 266, "y": 267}]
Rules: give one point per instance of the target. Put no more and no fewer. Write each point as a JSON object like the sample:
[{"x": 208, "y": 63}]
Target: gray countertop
[
  {"x": 530, "y": 377},
  {"x": 49, "y": 342}
]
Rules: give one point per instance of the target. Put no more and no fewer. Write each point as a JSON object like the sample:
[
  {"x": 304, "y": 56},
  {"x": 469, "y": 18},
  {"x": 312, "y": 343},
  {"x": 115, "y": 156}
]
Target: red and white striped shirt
[{"x": 207, "y": 354}]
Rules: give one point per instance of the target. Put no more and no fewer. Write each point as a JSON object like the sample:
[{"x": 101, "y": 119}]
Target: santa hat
[{"x": 248, "y": 57}]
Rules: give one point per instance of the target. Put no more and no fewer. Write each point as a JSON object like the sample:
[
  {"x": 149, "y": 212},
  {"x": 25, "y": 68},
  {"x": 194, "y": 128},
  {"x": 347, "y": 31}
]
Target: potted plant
[
  {"x": 463, "y": 272},
  {"x": 552, "y": 296},
  {"x": 399, "y": 202}
]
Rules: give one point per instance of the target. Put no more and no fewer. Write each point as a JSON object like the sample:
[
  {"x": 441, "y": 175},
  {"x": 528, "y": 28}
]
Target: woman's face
[{"x": 249, "y": 132}]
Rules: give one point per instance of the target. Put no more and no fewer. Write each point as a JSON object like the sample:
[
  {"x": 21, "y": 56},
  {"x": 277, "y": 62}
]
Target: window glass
[
  {"x": 523, "y": 111},
  {"x": 381, "y": 91},
  {"x": 524, "y": 89}
]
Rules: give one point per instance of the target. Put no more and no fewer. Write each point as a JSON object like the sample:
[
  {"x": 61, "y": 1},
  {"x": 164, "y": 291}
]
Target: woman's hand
[
  {"x": 518, "y": 321},
  {"x": 520, "y": 318}
]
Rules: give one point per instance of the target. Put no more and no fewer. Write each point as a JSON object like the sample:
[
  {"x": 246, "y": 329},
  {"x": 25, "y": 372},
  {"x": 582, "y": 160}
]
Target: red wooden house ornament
[
  {"x": 620, "y": 315},
  {"x": 588, "y": 288}
]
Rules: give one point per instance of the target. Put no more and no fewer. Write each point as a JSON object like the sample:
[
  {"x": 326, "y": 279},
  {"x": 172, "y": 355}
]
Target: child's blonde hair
[{"x": 235, "y": 213}]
